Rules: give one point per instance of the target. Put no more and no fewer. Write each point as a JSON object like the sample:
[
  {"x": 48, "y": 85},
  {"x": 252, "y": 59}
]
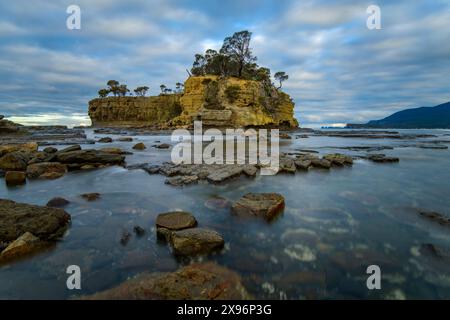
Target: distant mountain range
[{"x": 418, "y": 118}]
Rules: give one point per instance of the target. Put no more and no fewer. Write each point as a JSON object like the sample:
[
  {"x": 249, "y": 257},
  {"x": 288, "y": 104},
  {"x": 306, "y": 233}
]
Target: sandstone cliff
[{"x": 230, "y": 102}]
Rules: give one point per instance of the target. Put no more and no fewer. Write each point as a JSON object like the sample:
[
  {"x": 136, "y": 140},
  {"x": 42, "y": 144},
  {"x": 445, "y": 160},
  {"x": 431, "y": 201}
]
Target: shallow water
[{"x": 335, "y": 224}]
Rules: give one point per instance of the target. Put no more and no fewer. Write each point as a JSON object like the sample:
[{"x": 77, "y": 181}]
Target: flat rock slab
[
  {"x": 196, "y": 241},
  {"x": 266, "y": 205},
  {"x": 206, "y": 281},
  {"x": 176, "y": 220},
  {"x": 18, "y": 218}
]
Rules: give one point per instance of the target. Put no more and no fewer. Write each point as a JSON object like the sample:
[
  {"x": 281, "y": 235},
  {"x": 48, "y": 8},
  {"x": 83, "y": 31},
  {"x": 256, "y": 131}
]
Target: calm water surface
[{"x": 335, "y": 224}]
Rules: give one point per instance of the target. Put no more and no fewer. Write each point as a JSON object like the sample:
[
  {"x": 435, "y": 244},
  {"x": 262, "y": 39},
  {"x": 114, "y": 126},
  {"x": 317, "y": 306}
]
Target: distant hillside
[{"x": 417, "y": 118}]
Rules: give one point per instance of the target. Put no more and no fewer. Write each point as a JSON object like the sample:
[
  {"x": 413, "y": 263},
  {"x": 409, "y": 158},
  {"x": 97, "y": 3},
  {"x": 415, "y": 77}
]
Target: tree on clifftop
[
  {"x": 113, "y": 87},
  {"x": 281, "y": 76},
  {"x": 122, "y": 90},
  {"x": 237, "y": 47},
  {"x": 102, "y": 93},
  {"x": 163, "y": 88},
  {"x": 141, "y": 91}
]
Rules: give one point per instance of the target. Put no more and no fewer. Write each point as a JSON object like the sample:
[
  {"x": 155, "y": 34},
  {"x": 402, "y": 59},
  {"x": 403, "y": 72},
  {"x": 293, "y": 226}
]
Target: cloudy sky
[{"x": 339, "y": 70}]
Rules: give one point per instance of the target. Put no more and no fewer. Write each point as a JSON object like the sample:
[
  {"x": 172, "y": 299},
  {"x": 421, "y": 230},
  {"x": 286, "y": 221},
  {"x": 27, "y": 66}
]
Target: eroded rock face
[
  {"x": 205, "y": 98},
  {"x": 206, "y": 281},
  {"x": 43, "y": 222},
  {"x": 266, "y": 205},
  {"x": 134, "y": 111}
]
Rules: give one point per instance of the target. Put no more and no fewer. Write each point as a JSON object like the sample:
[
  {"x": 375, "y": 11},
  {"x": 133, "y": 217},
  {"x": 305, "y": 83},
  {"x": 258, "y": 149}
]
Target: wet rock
[
  {"x": 75, "y": 147},
  {"x": 46, "y": 170},
  {"x": 23, "y": 147},
  {"x": 89, "y": 156},
  {"x": 57, "y": 202},
  {"x": 105, "y": 140},
  {"x": 435, "y": 217},
  {"x": 14, "y": 161},
  {"x": 181, "y": 180},
  {"x": 302, "y": 164},
  {"x": 266, "y": 205},
  {"x": 338, "y": 159},
  {"x": 435, "y": 252},
  {"x": 39, "y": 157},
  {"x": 176, "y": 220},
  {"x": 301, "y": 136},
  {"x": 224, "y": 173},
  {"x": 381, "y": 158},
  {"x": 162, "y": 146},
  {"x": 321, "y": 163},
  {"x": 125, "y": 139},
  {"x": 287, "y": 165},
  {"x": 249, "y": 170},
  {"x": 139, "y": 231},
  {"x": 114, "y": 151},
  {"x": 88, "y": 167},
  {"x": 25, "y": 244},
  {"x": 2, "y": 173},
  {"x": 195, "y": 241},
  {"x": 139, "y": 146},
  {"x": 15, "y": 178},
  {"x": 284, "y": 136},
  {"x": 91, "y": 196},
  {"x": 125, "y": 238},
  {"x": 50, "y": 150},
  {"x": 194, "y": 282},
  {"x": 18, "y": 218}
]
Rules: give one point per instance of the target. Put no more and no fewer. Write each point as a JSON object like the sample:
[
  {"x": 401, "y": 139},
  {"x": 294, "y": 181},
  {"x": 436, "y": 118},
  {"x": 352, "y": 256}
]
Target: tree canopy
[{"x": 234, "y": 59}]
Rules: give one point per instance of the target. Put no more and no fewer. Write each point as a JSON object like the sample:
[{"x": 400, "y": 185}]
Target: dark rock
[
  {"x": 125, "y": 238},
  {"x": 321, "y": 163},
  {"x": 125, "y": 139},
  {"x": 57, "y": 202},
  {"x": 195, "y": 241},
  {"x": 194, "y": 282},
  {"x": 15, "y": 178},
  {"x": 162, "y": 146},
  {"x": 89, "y": 156},
  {"x": 75, "y": 147},
  {"x": 44, "y": 222},
  {"x": 139, "y": 146},
  {"x": 436, "y": 217},
  {"x": 105, "y": 140},
  {"x": 287, "y": 165},
  {"x": 302, "y": 164},
  {"x": 139, "y": 231},
  {"x": 176, "y": 220},
  {"x": 284, "y": 136},
  {"x": 2, "y": 173},
  {"x": 224, "y": 173},
  {"x": 91, "y": 196},
  {"x": 14, "y": 161},
  {"x": 338, "y": 159},
  {"x": 266, "y": 205},
  {"x": 381, "y": 158},
  {"x": 50, "y": 150},
  {"x": 181, "y": 180},
  {"x": 46, "y": 170}
]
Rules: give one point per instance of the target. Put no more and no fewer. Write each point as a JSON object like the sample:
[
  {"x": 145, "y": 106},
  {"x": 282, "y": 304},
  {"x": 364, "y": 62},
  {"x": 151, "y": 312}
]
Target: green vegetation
[{"x": 234, "y": 59}]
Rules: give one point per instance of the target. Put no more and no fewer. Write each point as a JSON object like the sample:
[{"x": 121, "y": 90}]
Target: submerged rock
[
  {"x": 381, "y": 158},
  {"x": 15, "y": 178},
  {"x": 266, "y": 205},
  {"x": 18, "y": 218},
  {"x": 139, "y": 146},
  {"x": 105, "y": 140},
  {"x": 436, "y": 217},
  {"x": 57, "y": 202},
  {"x": 194, "y": 282},
  {"x": 91, "y": 196},
  {"x": 125, "y": 139},
  {"x": 161, "y": 146},
  {"x": 181, "y": 180},
  {"x": 196, "y": 241}
]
